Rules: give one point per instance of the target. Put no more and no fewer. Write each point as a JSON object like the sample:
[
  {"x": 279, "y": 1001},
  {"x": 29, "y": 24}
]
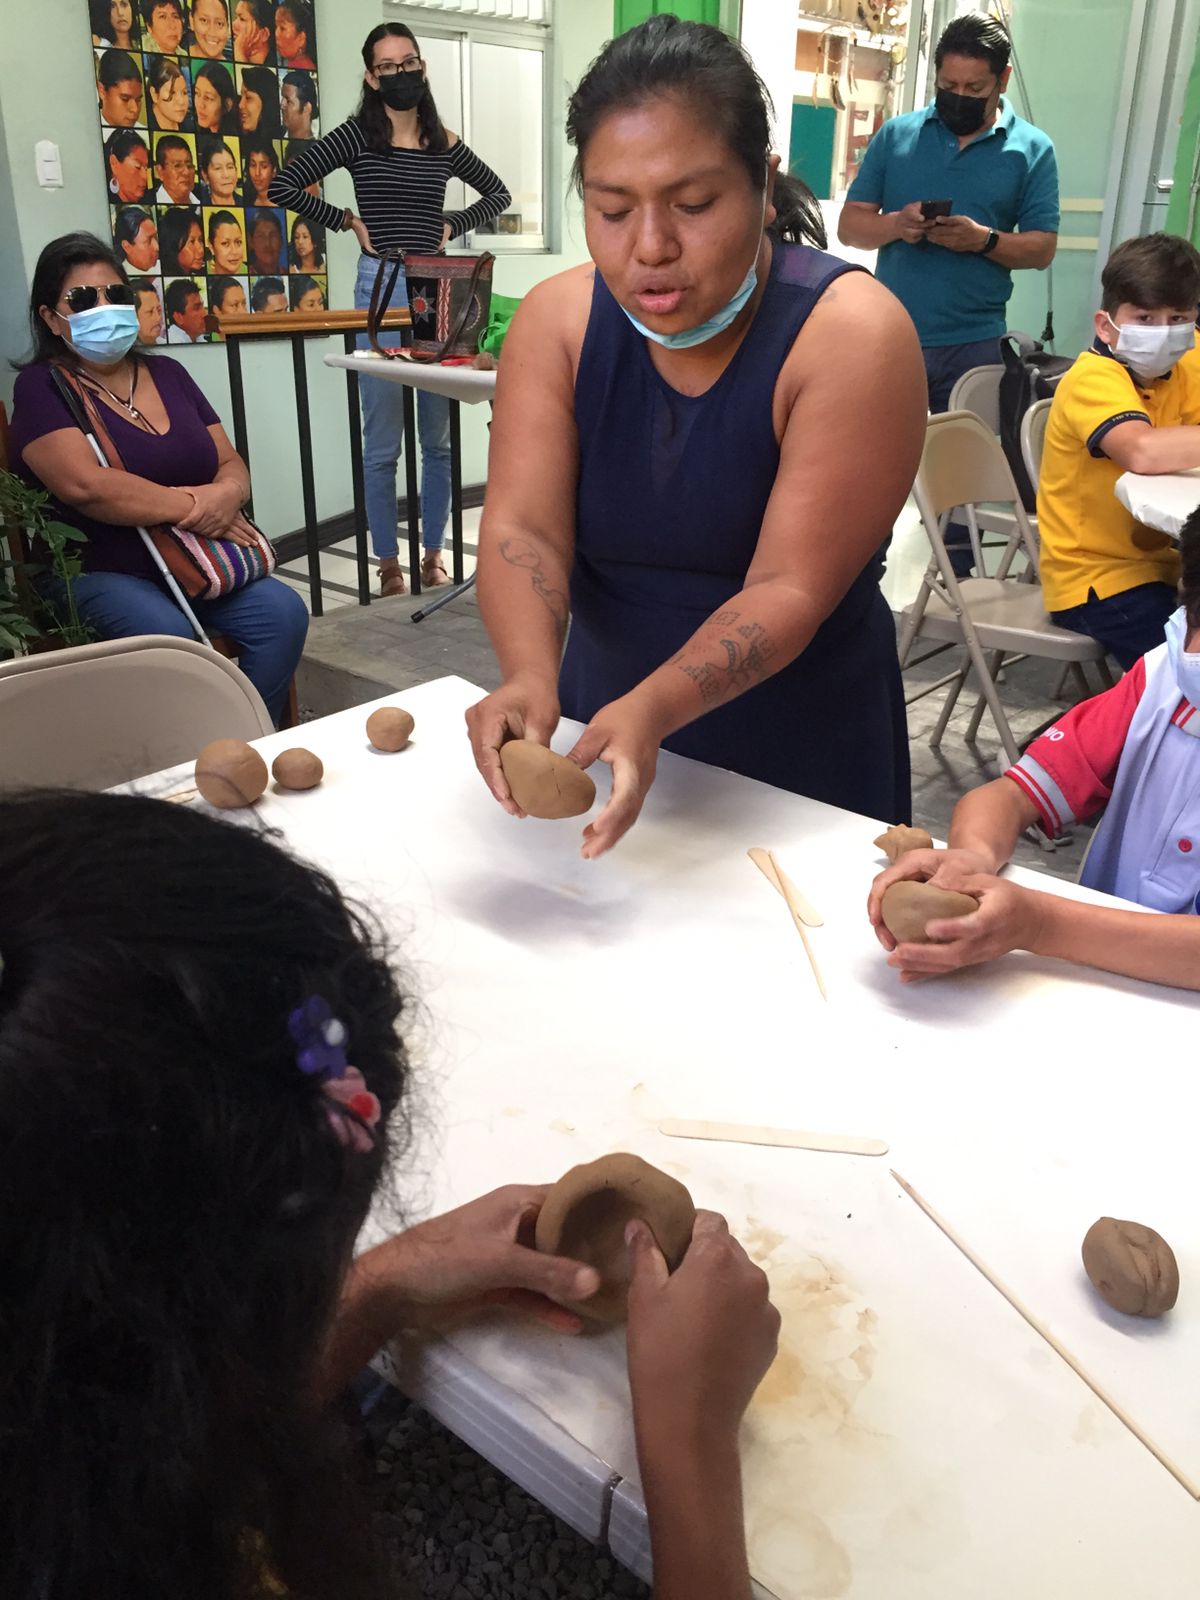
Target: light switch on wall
[{"x": 48, "y": 164}]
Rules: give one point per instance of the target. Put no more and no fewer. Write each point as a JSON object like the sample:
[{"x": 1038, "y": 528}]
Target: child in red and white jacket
[{"x": 1133, "y": 753}]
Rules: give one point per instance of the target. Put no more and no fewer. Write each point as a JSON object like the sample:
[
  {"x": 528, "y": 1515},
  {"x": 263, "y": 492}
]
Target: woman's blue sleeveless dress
[{"x": 671, "y": 497}]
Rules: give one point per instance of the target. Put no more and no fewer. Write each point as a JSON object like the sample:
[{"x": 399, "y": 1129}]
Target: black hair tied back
[{"x": 697, "y": 63}]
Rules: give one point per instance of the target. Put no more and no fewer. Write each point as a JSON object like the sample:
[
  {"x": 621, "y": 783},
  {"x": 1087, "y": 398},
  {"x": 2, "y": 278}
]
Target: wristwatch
[{"x": 993, "y": 239}]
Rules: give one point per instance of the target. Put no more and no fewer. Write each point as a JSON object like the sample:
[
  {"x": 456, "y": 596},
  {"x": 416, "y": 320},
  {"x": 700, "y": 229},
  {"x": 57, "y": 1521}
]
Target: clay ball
[
  {"x": 390, "y": 728},
  {"x": 585, "y": 1215},
  {"x": 1132, "y": 1268},
  {"x": 230, "y": 773},
  {"x": 297, "y": 769},
  {"x": 484, "y": 361},
  {"x": 545, "y": 784},
  {"x": 900, "y": 839},
  {"x": 908, "y": 907}
]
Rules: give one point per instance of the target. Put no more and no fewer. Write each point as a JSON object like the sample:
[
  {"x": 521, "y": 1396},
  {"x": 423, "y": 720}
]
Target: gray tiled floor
[{"x": 355, "y": 654}]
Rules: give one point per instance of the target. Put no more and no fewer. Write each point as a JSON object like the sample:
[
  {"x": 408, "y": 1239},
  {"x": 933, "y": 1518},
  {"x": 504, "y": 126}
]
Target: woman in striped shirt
[{"x": 400, "y": 158}]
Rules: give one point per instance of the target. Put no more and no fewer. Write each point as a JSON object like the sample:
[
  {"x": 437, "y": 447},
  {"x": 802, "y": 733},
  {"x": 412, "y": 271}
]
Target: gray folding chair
[
  {"x": 1033, "y": 438},
  {"x": 963, "y": 464},
  {"x": 101, "y": 714}
]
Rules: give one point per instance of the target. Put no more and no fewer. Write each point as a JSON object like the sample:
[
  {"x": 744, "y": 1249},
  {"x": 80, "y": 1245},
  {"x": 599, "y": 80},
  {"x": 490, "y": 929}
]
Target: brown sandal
[
  {"x": 433, "y": 570},
  {"x": 391, "y": 580}
]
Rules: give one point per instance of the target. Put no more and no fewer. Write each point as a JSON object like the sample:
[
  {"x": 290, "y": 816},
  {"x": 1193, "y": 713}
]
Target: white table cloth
[
  {"x": 1160, "y": 500},
  {"x": 456, "y": 383},
  {"x": 916, "y": 1440}
]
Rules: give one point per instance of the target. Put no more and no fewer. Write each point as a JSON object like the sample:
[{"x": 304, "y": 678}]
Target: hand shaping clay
[
  {"x": 230, "y": 773},
  {"x": 907, "y": 908},
  {"x": 545, "y": 784},
  {"x": 1132, "y": 1268},
  {"x": 899, "y": 839},
  {"x": 585, "y": 1214},
  {"x": 297, "y": 769},
  {"x": 390, "y": 728}
]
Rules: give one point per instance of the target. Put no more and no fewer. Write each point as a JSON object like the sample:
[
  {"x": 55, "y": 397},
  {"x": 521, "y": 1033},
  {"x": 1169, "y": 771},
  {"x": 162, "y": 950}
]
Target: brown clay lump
[
  {"x": 545, "y": 784},
  {"x": 900, "y": 839},
  {"x": 586, "y": 1213},
  {"x": 390, "y": 728},
  {"x": 909, "y": 906},
  {"x": 230, "y": 773},
  {"x": 1132, "y": 1268},
  {"x": 297, "y": 769}
]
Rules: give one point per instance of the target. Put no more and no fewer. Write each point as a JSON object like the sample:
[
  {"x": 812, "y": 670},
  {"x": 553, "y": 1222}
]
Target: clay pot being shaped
[
  {"x": 543, "y": 783},
  {"x": 586, "y": 1213},
  {"x": 910, "y": 906}
]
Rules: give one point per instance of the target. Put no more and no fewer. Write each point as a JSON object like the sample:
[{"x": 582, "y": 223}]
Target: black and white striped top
[{"x": 400, "y": 196}]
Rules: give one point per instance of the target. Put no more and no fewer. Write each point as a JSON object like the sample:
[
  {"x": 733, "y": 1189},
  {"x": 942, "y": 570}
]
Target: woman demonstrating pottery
[
  {"x": 676, "y": 461},
  {"x": 400, "y": 158}
]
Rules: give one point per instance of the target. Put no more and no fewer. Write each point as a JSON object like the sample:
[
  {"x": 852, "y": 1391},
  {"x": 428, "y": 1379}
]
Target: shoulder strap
[{"x": 86, "y": 413}]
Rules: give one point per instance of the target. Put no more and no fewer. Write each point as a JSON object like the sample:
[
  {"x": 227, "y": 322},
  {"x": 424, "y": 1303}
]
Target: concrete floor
[{"x": 357, "y": 653}]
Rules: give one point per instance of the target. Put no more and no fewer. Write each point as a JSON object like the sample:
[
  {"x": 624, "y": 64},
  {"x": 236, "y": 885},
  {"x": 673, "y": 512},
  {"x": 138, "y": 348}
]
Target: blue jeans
[
  {"x": 383, "y": 435},
  {"x": 266, "y": 619},
  {"x": 944, "y": 366},
  {"x": 1127, "y": 624}
]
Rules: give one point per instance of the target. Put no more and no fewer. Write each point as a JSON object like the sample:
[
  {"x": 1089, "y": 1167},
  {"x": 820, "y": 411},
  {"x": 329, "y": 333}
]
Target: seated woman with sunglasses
[{"x": 178, "y": 467}]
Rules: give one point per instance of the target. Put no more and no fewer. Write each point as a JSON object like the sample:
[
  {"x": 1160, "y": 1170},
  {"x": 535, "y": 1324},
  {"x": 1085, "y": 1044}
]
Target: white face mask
[
  {"x": 1185, "y": 662},
  {"x": 1151, "y": 352}
]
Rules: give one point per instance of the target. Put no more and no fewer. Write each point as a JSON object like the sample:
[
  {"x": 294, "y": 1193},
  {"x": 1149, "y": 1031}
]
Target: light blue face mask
[
  {"x": 104, "y": 334},
  {"x": 1185, "y": 662},
  {"x": 717, "y": 323}
]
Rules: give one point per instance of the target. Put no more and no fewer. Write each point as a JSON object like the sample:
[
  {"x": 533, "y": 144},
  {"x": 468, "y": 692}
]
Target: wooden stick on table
[
  {"x": 1055, "y": 1344},
  {"x": 766, "y": 863},
  {"x": 785, "y": 1138}
]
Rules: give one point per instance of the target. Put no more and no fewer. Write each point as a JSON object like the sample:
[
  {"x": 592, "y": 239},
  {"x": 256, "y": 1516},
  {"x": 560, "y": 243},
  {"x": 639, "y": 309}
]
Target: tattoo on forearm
[
  {"x": 518, "y": 553},
  {"x": 748, "y": 654}
]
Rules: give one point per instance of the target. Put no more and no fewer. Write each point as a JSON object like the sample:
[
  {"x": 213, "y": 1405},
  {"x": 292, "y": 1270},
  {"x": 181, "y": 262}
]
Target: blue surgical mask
[
  {"x": 1185, "y": 662},
  {"x": 104, "y": 334},
  {"x": 717, "y": 323}
]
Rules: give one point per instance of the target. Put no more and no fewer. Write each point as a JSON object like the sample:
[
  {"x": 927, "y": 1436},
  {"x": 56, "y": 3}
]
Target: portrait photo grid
[{"x": 201, "y": 104}]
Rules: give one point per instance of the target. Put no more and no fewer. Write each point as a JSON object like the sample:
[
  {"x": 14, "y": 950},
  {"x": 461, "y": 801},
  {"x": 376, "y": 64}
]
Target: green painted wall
[
  {"x": 717, "y": 13},
  {"x": 1189, "y": 139},
  {"x": 1075, "y": 107},
  {"x": 51, "y": 95}
]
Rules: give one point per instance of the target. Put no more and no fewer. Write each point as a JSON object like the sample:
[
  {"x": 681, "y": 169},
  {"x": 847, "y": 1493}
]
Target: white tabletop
[
  {"x": 1160, "y": 500},
  {"x": 916, "y": 1440},
  {"x": 456, "y": 383}
]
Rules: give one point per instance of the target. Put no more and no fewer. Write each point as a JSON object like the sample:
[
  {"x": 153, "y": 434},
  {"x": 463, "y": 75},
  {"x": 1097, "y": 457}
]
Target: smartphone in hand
[{"x": 935, "y": 208}]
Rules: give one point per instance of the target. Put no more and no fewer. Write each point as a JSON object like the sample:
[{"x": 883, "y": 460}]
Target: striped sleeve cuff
[
  {"x": 1054, "y": 814},
  {"x": 1097, "y": 436}
]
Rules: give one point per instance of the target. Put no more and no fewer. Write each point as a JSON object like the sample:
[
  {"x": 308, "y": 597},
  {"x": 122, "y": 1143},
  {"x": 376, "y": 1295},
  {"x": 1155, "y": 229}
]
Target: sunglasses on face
[{"x": 86, "y": 296}]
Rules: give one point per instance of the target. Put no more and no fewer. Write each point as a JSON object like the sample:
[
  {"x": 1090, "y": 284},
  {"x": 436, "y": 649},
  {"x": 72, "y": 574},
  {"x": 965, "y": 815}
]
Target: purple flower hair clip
[{"x": 353, "y": 1111}]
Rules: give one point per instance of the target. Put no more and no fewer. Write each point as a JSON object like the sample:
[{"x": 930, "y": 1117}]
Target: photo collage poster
[{"x": 201, "y": 104}]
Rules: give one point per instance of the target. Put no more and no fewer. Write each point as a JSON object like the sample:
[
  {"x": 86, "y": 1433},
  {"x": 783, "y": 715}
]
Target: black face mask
[
  {"x": 961, "y": 113},
  {"x": 402, "y": 90}
]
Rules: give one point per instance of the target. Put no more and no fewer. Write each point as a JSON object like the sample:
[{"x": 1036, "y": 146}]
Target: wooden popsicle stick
[
  {"x": 784, "y": 1138},
  {"x": 765, "y": 861},
  {"x": 786, "y": 891},
  {"x": 767, "y": 865},
  {"x": 1051, "y": 1339},
  {"x": 181, "y": 797}
]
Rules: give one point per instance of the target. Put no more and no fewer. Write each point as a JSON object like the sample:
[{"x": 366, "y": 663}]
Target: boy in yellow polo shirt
[{"x": 1129, "y": 404}]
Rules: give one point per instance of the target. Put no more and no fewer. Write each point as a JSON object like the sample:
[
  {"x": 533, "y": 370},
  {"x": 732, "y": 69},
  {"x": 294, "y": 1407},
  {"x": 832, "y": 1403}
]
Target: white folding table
[
  {"x": 1160, "y": 500},
  {"x": 459, "y": 385},
  {"x": 916, "y": 1440}
]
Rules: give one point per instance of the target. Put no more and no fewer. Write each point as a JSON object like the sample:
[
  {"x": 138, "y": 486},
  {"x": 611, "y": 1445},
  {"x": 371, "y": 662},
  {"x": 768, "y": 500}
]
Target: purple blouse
[{"x": 185, "y": 454}]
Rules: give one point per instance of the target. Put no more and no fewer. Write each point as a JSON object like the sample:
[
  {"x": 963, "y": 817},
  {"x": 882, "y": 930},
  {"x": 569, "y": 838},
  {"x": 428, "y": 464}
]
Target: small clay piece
[
  {"x": 230, "y": 773},
  {"x": 545, "y": 784},
  {"x": 297, "y": 769},
  {"x": 907, "y": 908},
  {"x": 484, "y": 361},
  {"x": 390, "y": 728},
  {"x": 1132, "y": 1268},
  {"x": 900, "y": 839},
  {"x": 586, "y": 1213}
]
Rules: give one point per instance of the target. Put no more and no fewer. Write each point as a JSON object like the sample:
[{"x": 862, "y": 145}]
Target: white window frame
[{"x": 426, "y": 22}]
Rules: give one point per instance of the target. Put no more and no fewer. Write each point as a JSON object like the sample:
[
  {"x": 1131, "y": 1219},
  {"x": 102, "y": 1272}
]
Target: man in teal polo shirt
[{"x": 953, "y": 274}]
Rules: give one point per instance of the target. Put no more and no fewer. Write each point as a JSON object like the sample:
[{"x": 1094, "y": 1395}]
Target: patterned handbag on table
[
  {"x": 449, "y": 300},
  {"x": 204, "y": 568}
]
